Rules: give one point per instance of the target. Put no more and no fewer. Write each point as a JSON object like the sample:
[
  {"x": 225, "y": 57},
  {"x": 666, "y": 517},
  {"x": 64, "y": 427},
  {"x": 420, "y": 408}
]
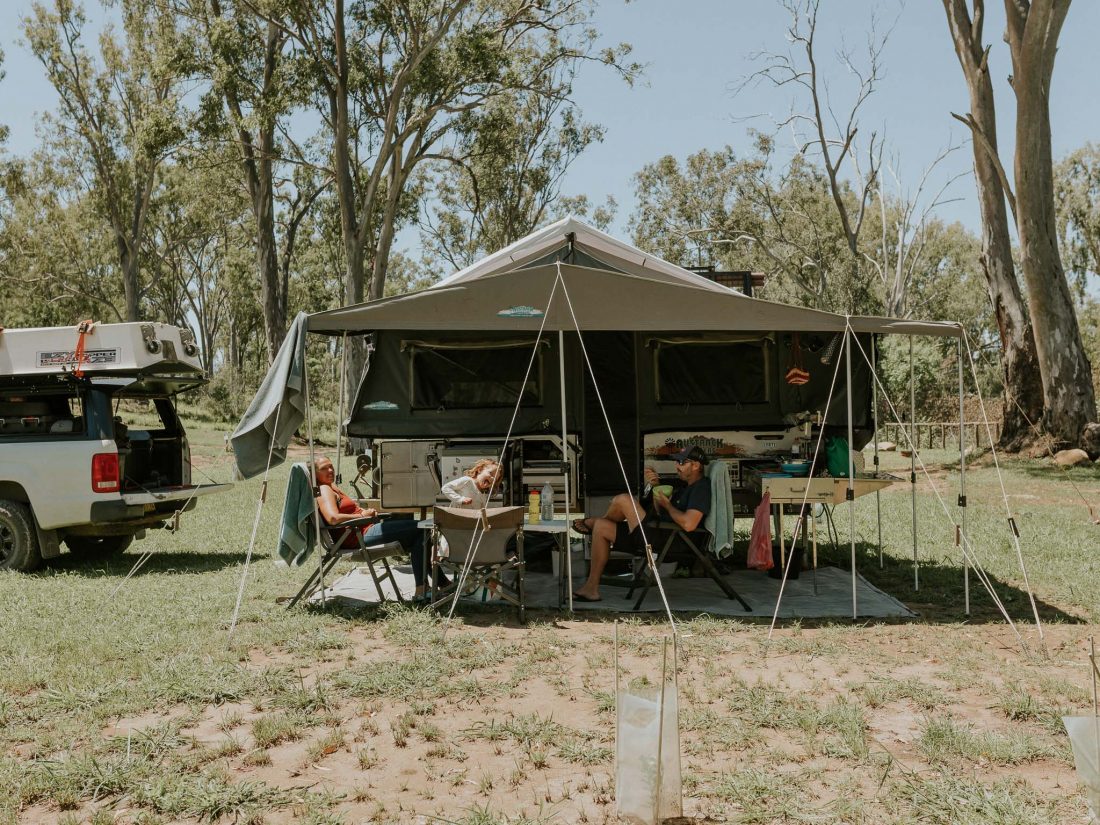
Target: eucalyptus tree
[
  {"x": 827, "y": 130},
  {"x": 121, "y": 108},
  {"x": 1023, "y": 387},
  {"x": 255, "y": 86},
  {"x": 58, "y": 260},
  {"x": 1077, "y": 209},
  {"x": 1032, "y": 33},
  {"x": 395, "y": 80},
  {"x": 198, "y": 230},
  {"x": 750, "y": 213},
  {"x": 755, "y": 212},
  {"x": 502, "y": 178}
]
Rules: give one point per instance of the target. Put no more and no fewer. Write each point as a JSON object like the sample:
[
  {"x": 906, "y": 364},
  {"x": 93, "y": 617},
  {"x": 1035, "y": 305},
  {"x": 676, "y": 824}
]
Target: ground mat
[{"x": 832, "y": 599}]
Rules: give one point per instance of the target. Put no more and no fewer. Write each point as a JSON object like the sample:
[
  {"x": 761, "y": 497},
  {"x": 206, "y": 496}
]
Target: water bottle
[
  {"x": 547, "y": 509},
  {"x": 533, "y": 507}
]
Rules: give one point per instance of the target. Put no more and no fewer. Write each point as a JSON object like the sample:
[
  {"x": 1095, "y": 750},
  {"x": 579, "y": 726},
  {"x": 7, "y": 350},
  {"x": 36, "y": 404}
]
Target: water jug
[{"x": 546, "y": 511}]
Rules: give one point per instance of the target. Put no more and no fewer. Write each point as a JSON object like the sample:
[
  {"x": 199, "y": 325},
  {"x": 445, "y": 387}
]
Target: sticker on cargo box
[{"x": 67, "y": 357}]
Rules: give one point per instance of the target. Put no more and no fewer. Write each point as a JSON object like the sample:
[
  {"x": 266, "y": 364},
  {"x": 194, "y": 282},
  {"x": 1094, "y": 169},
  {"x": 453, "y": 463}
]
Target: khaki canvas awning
[{"x": 593, "y": 299}]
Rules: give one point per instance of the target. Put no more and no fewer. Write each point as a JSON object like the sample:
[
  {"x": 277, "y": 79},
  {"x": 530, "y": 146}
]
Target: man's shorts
[{"x": 629, "y": 541}]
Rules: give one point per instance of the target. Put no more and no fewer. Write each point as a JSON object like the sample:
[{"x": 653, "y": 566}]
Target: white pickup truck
[{"x": 92, "y": 452}]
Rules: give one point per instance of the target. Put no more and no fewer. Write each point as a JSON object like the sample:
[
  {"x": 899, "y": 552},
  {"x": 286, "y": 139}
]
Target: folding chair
[
  {"x": 477, "y": 541},
  {"x": 333, "y": 539},
  {"x": 644, "y": 579}
]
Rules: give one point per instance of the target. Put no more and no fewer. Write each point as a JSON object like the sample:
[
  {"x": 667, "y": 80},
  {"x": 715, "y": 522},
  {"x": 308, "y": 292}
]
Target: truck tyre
[
  {"x": 18, "y": 541},
  {"x": 99, "y": 546}
]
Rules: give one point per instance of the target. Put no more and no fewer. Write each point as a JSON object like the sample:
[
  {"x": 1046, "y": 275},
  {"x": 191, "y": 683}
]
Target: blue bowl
[{"x": 796, "y": 468}]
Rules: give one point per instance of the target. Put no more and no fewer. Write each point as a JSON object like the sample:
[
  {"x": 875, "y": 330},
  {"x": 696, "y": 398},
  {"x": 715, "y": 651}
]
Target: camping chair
[
  {"x": 696, "y": 546},
  {"x": 698, "y": 543},
  {"x": 333, "y": 539},
  {"x": 477, "y": 541}
]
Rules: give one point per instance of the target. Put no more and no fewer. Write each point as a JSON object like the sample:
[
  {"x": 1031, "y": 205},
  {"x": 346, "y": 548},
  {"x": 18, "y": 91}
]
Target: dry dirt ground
[
  {"x": 395, "y": 716},
  {"x": 495, "y": 723}
]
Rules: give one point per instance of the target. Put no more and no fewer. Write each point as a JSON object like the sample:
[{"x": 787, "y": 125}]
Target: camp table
[{"x": 798, "y": 490}]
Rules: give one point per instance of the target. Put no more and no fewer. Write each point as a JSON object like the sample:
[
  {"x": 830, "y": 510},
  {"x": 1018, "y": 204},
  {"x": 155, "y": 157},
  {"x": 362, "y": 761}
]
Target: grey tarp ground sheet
[{"x": 278, "y": 409}]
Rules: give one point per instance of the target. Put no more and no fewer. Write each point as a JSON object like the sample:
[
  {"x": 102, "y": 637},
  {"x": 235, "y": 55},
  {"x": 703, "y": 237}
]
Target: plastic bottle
[
  {"x": 546, "y": 511},
  {"x": 533, "y": 507}
]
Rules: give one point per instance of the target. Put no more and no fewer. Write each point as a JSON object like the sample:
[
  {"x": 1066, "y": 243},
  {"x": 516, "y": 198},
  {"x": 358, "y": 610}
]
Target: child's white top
[{"x": 465, "y": 487}]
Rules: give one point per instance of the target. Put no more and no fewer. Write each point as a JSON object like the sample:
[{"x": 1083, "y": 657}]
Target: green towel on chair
[
  {"x": 719, "y": 521},
  {"x": 296, "y": 533}
]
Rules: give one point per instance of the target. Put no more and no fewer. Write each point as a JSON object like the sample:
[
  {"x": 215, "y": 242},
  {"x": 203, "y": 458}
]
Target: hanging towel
[
  {"x": 296, "y": 534},
  {"x": 719, "y": 521},
  {"x": 760, "y": 542},
  {"x": 278, "y": 408}
]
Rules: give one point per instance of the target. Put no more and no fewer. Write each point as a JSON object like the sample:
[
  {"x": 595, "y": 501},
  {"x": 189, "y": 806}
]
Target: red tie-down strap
[{"x": 83, "y": 328}]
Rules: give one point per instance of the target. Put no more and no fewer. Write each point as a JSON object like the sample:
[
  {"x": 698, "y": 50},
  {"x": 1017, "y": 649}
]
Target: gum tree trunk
[
  {"x": 1023, "y": 389},
  {"x": 1032, "y": 36}
]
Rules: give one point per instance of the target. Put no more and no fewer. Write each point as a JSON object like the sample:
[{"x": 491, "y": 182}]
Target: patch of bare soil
[{"x": 830, "y": 718}]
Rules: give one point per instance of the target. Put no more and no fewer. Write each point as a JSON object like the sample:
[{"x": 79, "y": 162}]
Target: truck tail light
[{"x": 105, "y": 473}]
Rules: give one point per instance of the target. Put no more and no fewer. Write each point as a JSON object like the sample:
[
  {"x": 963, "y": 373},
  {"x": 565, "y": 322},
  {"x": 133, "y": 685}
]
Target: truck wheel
[
  {"x": 18, "y": 541},
  {"x": 99, "y": 546}
]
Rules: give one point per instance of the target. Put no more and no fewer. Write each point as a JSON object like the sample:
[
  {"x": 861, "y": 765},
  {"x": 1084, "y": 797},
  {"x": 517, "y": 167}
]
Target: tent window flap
[
  {"x": 706, "y": 372},
  {"x": 461, "y": 378}
]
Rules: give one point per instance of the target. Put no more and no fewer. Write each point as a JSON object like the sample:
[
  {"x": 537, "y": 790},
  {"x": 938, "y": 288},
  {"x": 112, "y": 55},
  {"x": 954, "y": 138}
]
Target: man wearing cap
[{"x": 619, "y": 526}]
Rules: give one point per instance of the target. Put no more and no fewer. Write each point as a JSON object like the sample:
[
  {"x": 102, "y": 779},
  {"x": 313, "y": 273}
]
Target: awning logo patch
[
  {"x": 380, "y": 406},
  {"x": 520, "y": 312}
]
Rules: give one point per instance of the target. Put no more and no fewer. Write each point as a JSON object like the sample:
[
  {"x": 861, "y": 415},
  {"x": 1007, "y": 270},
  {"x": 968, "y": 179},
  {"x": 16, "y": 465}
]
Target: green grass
[{"x": 140, "y": 700}]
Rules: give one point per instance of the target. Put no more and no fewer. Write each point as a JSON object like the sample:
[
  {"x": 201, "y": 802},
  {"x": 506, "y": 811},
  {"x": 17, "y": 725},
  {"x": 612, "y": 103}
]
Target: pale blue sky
[{"x": 697, "y": 50}]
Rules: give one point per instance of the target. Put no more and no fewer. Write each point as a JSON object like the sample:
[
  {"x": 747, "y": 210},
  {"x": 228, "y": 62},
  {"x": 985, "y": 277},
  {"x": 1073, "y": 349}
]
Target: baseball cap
[{"x": 693, "y": 453}]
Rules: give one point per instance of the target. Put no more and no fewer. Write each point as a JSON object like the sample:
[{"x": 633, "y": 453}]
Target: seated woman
[{"x": 337, "y": 508}]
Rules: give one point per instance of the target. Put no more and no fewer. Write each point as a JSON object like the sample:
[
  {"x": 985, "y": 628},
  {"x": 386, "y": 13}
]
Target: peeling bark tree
[
  {"x": 1023, "y": 390},
  {"x": 1032, "y": 36}
]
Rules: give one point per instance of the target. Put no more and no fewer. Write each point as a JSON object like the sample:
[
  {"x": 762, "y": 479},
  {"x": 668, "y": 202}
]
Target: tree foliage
[
  {"x": 224, "y": 163},
  {"x": 120, "y": 114},
  {"x": 1077, "y": 204},
  {"x": 503, "y": 177}
]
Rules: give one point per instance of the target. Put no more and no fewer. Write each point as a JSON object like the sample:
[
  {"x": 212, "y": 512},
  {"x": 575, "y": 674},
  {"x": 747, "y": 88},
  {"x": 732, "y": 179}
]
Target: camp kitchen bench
[{"x": 819, "y": 490}]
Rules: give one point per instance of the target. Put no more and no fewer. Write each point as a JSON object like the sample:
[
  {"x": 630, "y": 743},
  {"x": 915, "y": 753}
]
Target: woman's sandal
[{"x": 584, "y": 529}]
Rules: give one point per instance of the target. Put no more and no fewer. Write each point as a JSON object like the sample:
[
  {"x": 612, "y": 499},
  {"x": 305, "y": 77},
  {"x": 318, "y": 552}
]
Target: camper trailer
[
  {"x": 92, "y": 450},
  {"x": 429, "y": 406},
  {"x": 578, "y": 358}
]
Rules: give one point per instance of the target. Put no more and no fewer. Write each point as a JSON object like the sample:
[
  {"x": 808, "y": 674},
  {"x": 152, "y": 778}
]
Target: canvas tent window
[
  {"x": 712, "y": 369},
  {"x": 473, "y": 374}
]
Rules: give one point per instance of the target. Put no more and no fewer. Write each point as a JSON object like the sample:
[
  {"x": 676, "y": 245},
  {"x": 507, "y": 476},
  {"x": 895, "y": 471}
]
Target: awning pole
[
  {"x": 565, "y": 467},
  {"x": 874, "y": 423},
  {"x": 962, "y": 486},
  {"x": 851, "y": 467},
  {"x": 313, "y": 472},
  {"x": 343, "y": 388},
  {"x": 913, "y": 461}
]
